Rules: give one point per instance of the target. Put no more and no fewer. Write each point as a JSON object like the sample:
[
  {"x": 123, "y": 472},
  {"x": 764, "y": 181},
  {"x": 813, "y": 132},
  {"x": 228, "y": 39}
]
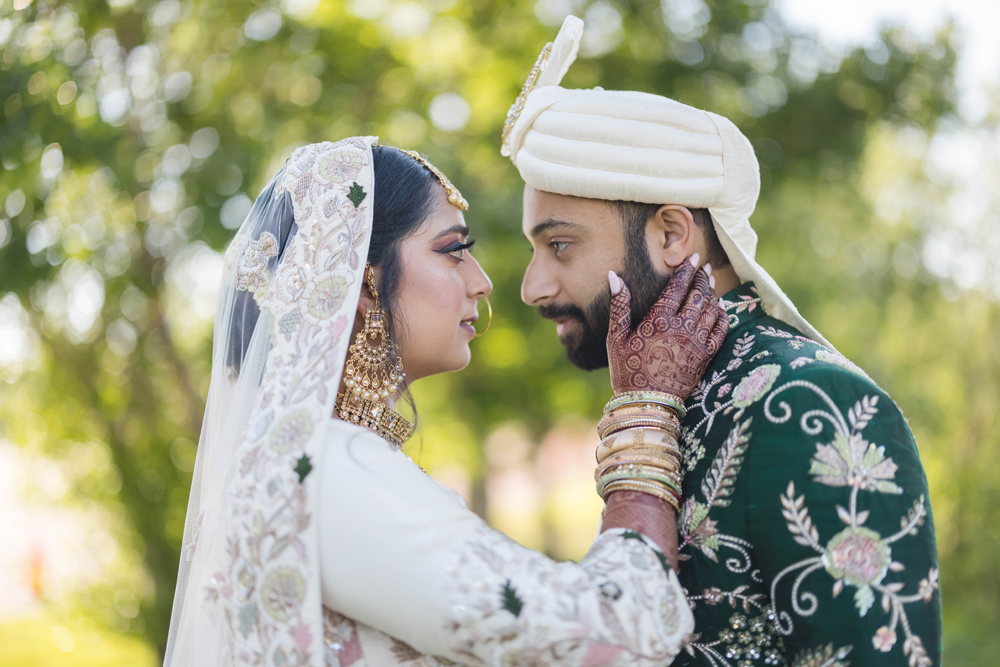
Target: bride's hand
[{"x": 674, "y": 343}]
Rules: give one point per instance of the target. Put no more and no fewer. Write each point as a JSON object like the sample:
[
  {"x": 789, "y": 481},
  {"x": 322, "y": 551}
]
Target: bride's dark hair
[
  {"x": 403, "y": 199},
  {"x": 404, "y": 191}
]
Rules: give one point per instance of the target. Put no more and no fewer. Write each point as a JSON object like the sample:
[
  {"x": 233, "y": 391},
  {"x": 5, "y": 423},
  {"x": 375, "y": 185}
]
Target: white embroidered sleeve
[{"x": 402, "y": 554}]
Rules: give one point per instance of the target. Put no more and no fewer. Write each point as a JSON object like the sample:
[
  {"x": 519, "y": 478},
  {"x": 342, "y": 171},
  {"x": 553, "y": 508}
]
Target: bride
[{"x": 311, "y": 539}]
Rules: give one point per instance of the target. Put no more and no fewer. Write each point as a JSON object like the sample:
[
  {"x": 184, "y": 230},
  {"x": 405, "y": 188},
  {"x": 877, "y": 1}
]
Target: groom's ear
[{"x": 670, "y": 236}]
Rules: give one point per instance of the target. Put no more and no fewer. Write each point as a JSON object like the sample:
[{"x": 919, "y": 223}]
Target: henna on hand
[
  {"x": 673, "y": 345},
  {"x": 646, "y": 514}
]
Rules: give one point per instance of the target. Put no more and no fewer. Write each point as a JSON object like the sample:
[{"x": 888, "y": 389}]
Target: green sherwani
[{"x": 806, "y": 536}]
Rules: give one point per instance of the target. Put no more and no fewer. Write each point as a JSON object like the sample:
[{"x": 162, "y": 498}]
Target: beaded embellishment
[
  {"x": 518, "y": 106},
  {"x": 454, "y": 196}
]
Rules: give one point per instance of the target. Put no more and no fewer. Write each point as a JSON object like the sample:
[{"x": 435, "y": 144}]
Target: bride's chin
[
  {"x": 462, "y": 359},
  {"x": 457, "y": 361}
]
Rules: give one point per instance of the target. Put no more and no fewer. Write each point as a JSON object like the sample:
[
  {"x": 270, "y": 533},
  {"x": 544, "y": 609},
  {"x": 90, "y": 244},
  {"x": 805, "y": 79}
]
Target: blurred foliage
[
  {"x": 45, "y": 641},
  {"x": 133, "y": 135}
]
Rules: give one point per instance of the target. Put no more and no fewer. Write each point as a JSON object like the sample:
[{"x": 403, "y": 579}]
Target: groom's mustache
[{"x": 562, "y": 311}]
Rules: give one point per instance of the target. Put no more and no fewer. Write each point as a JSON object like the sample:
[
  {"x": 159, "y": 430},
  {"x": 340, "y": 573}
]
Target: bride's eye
[{"x": 457, "y": 250}]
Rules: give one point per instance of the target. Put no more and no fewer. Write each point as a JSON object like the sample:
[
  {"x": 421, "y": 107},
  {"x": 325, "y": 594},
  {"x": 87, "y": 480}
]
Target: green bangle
[{"x": 656, "y": 397}]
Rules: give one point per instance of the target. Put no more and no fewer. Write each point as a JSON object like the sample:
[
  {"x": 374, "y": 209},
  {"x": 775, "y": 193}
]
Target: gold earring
[
  {"x": 372, "y": 374},
  {"x": 489, "y": 316}
]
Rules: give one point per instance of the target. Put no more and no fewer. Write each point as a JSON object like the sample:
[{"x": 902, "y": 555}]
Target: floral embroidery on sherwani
[{"x": 806, "y": 534}]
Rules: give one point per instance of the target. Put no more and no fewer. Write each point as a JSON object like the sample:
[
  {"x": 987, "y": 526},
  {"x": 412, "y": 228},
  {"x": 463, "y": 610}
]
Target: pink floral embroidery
[
  {"x": 303, "y": 637},
  {"x": 884, "y": 639},
  {"x": 600, "y": 654},
  {"x": 858, "y": 556},
  {"x": 753, "y": 387},
  {"x": 251, "y": 273}
]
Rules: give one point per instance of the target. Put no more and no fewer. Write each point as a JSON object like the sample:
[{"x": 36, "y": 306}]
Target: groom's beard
[{"x": 587, "y": 348}]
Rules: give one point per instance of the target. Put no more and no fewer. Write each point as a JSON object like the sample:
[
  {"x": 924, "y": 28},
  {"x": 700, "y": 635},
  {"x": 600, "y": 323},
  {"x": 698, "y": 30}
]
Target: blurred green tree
[{"x": 134, "y": 134}]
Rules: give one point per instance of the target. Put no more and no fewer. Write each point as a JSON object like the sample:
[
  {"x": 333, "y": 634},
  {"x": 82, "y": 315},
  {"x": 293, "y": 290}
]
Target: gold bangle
[
  {"x": 664, "y": 459},
  {"x": 641, "y": 407},
  {"x": 637, "y": 437},
  {"x": 610, "y": 425},
  {"x": 637, "y": 459},
  {"x": 632, "y": 471},
  {"x": 650, "y": 488},
  {"x": 641, "y": 472},
  {"x": 642, "y": 410},
  {"x": 669, "y": 457},
  {"x": 620, "y": 424}
]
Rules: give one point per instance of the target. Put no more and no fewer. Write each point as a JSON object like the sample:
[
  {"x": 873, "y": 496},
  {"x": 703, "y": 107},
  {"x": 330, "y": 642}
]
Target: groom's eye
[{"x": 558, "y": 246}]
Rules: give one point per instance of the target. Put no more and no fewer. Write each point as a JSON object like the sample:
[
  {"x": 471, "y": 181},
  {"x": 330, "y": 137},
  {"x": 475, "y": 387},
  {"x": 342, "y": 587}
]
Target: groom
[{"x": 806, "y": 535}]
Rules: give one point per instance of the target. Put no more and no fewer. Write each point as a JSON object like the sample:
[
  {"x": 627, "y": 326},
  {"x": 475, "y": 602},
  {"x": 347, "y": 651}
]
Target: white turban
[{"x": 620, "y": 145}]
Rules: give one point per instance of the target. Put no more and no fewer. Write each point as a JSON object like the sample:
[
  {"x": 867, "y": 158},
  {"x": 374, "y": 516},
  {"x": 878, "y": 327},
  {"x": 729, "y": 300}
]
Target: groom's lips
[{"x": 563, "y": 325}]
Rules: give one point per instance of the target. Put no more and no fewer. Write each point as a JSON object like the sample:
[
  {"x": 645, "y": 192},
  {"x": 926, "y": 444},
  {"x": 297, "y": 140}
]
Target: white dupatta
[{"x": 248, "y": 591}]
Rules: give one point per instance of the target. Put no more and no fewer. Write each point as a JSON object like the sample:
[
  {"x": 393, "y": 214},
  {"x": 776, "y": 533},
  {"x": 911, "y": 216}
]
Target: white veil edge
[{"x": 248, "y": 585}]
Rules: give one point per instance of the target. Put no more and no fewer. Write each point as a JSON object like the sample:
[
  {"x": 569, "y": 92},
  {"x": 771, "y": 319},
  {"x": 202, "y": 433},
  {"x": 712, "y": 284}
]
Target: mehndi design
[{"x": 673, "y": 345}]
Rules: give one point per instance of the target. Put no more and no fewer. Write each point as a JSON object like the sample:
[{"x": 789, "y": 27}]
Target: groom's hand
[{"x": 674, "y": 343}]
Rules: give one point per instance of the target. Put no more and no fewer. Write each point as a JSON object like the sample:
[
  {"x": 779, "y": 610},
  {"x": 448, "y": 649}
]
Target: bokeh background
[{"x": 135, "y": 133}]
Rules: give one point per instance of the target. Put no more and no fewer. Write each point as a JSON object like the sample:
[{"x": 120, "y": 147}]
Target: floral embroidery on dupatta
[
  {"x": 269, "y": 590},
  {"x": 251, "y": 272}
]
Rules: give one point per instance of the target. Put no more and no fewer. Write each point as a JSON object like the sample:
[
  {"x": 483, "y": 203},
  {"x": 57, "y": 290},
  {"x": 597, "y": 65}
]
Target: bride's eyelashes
[{"x": 457, "y": 250}]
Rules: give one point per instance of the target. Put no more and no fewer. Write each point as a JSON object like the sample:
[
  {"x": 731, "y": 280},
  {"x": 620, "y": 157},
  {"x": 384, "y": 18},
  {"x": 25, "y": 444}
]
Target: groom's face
[{"x": 575, "y": 242}]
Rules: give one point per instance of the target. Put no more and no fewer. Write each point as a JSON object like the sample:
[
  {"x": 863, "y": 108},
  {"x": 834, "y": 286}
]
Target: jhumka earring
[{"x": 372, "y": 374}]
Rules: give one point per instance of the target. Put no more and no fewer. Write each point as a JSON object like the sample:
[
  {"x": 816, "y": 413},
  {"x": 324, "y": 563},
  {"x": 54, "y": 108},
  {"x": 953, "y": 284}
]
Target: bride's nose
[{"x": 479, "y": 284}]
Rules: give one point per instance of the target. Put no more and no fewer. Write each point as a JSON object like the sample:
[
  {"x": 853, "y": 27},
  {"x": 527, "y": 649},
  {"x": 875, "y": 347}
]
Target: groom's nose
[{"x": 538, "y": 287}]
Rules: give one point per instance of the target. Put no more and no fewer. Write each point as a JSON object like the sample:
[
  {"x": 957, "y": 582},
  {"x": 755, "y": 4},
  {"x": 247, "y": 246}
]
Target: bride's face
[{"x": 439, "y": 289}]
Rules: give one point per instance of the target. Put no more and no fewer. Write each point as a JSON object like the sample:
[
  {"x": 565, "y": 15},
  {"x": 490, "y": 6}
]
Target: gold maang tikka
[
  {"x": 372, "y": 374},
  {"x": 454, "y": 196}
]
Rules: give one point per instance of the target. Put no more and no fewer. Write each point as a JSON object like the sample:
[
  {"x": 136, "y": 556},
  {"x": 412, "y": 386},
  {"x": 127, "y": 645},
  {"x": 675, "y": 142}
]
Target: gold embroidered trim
[{"x": 518, "y": 106}]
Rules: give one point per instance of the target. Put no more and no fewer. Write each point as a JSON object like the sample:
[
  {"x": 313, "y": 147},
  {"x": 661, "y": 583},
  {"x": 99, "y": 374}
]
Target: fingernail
[
  {"x": 695, "y": 258},
  {"x": 708, "y": 269},
  {"x": 711, "y": 281},
  {"x": 615, "y": 282}
]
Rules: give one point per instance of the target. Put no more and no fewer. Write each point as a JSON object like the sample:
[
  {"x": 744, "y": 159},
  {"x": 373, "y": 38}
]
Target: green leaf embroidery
[
  {"x": 632, "y": 535},
  {"x": 864, "y": 599},
  {"x": 663, "y": 560},
  {"x": 247, "y": 618},
  {"x": 303, "y": 467},
  {"x": 511, "y": 602},
  {"x": 356, "y": 194}
]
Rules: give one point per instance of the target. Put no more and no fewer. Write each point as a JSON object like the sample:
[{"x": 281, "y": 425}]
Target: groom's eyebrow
[
  {"x": 457, "y": 229},
  {"x": 550, "y": 224}
]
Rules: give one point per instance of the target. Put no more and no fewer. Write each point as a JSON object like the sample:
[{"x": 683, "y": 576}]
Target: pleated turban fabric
[{"x": 632, "y": 146}]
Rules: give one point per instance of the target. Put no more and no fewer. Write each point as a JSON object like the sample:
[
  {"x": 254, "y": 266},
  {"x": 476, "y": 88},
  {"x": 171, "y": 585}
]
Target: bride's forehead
[{"x": 443, "y": 219}]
